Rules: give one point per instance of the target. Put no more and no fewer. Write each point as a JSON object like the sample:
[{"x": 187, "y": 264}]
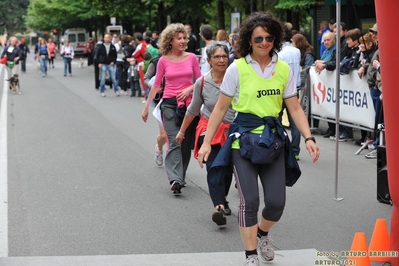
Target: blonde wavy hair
[
  {"x": 13, "y": 38},
  {"x": 167, "y": 36}
]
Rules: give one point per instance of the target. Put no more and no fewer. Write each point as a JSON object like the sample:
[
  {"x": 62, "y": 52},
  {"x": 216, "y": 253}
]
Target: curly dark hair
[{"x": 269, "y": 23}]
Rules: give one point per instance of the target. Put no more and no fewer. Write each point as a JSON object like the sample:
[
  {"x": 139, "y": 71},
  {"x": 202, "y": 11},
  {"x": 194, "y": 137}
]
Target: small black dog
[{"x": 14, "y": 84}]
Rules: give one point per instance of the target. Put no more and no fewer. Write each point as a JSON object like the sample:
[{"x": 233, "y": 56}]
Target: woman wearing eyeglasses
[
  {"x": 206, "y": 92},
  {"x": 256, "y": 86}
]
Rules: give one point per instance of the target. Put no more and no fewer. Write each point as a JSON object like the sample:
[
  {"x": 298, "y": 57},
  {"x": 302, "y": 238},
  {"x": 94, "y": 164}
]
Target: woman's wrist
[
  {"x": 180, "y": 133},
  {"x": 310, "y": 138}
]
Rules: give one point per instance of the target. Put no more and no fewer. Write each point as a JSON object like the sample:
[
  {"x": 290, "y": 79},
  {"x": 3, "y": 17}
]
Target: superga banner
[{"x": 356, "y": 106}]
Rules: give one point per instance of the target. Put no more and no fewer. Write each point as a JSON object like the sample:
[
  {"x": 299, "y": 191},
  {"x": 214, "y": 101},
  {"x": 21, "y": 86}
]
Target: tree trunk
[
  {"x": 293, "y": 17},
  {"x": 161, "y": 17},
  {"x": 221, "y": 24},
  {"x": 250, "y": 6}
]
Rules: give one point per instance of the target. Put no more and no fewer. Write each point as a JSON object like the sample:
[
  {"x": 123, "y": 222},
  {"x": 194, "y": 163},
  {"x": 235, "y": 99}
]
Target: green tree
[
  {"x": 45, "y": 15},
  {"x": 296, "y": 5},
  {"x": 12, "y": 12}
]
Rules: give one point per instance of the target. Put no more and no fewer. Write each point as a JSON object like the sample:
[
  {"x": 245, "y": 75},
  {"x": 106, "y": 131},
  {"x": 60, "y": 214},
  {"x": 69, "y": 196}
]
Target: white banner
[
  {"x": 235, "y": 20},
  {"x": 356, "y": 106}
]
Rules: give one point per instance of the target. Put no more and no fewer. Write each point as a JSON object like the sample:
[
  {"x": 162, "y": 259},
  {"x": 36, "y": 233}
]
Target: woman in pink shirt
[
  {"x": 52, "y": 48},
  {"x": 178, "y": 69}
]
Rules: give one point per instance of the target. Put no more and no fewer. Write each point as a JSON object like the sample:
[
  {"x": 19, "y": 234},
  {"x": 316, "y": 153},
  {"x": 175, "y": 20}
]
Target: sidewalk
[{"x": 304, "y": 257}]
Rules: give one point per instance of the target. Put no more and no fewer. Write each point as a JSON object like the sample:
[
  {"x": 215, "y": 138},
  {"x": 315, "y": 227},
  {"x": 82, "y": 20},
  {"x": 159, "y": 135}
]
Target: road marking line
[{"x": 3, "y": 169}]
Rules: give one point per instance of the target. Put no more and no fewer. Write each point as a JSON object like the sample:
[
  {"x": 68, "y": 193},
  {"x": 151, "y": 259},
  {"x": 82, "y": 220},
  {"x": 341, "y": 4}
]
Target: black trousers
[
  {"x": 96, "y": 75},
  {"x": 23, "y": 65}
]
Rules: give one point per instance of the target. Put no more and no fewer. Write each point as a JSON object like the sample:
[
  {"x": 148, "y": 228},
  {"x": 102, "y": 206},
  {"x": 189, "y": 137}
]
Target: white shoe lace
[
  {"x": 254, "y": 261},
  {"x": 265, "y": 248}
]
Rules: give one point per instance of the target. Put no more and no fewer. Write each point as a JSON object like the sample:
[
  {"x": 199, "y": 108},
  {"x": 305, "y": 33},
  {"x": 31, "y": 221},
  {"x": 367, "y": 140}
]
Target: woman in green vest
[{"x": 256, "y": 86}]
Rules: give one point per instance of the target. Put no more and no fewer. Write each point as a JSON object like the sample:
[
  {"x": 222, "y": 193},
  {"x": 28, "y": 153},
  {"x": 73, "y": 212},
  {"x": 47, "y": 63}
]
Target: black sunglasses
[{"x": 259, "y": 39}]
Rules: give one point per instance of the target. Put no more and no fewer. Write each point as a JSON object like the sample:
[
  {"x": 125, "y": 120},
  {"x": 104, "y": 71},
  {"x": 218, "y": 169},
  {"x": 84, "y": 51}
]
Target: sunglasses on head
[{"x": 259, "y": 39}]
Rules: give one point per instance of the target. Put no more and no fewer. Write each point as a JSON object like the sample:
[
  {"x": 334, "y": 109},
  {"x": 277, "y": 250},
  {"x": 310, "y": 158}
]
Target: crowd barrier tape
[{"x": 356, "y": 105}]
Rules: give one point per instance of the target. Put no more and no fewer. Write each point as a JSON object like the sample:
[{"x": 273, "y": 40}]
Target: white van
[
  {"x": 116, "y": 29},
  {"x": 77, "y": 38}
]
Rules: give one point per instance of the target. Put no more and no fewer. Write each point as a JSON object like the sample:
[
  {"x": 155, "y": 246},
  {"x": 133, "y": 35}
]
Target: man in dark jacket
[
  {"x": 24, "y": 52},
  {"x": 95, "y": 64},
  {"x": 342, "y": 33},
  {"x": 106, "y": 58},
  {"x": 192, "y": 40}
]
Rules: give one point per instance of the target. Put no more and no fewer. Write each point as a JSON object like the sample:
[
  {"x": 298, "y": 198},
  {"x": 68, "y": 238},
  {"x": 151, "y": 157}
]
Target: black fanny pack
[{"x": 259, "y": 153}]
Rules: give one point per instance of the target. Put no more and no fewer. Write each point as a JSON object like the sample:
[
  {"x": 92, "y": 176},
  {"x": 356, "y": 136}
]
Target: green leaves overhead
[
  {"x": 295, "y": 5},
  {"x": 45, "y": 14},
  {"x": 12, "y": 13},
  {"x": 139, "y": 15}
]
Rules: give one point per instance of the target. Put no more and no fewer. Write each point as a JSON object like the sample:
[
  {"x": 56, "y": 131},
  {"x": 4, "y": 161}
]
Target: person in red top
[
  {"x": 138, "y": 54},
  {"x": 52, "y": 48},
  {"x": 89, "y": 50}
]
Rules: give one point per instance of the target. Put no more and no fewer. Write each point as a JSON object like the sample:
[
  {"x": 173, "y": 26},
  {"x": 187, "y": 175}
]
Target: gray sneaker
[
  {"x": 265, "y": 249},
  {"x": 251, "y": 261},
  {"x": 158, "y": 156},
  {"x": 371, "y": 155}
]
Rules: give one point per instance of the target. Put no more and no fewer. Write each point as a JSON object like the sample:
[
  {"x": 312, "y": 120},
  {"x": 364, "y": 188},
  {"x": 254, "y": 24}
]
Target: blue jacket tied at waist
[{"x": 245, "y": 123}]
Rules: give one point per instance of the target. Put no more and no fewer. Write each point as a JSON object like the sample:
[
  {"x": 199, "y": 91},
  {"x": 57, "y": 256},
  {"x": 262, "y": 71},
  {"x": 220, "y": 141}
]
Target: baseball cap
[{"x": 374, "y": 28}]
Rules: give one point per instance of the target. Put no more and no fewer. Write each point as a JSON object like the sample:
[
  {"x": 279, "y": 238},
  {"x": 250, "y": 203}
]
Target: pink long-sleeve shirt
[{"x": 178, "y": 75}]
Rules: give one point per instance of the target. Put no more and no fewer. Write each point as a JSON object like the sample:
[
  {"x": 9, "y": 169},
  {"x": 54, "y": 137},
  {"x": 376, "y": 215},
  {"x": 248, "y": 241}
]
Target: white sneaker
[
  {"x": 103, "y": 94},
  {"x": 158, "y": 156},
  {"x": 251, "y": 261},
  {"x": 371, "y": 155},
  {"x": 265, "y": 249},
  {"x": 117, "y": 93}
]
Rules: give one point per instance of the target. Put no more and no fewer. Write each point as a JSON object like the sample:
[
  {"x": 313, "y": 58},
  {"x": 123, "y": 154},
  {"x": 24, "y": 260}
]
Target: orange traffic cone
[
  {"x": 379, "y": 242},
  {"x": 359, "y": 252}
]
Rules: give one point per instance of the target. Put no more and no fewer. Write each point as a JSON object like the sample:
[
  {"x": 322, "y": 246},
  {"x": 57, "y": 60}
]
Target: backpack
[
  {"x": 346, "y": 65},
  {"x": 121, "y": 53},
  {"x": 94, "y": 53},
  {"x": 127, "y": 53}
]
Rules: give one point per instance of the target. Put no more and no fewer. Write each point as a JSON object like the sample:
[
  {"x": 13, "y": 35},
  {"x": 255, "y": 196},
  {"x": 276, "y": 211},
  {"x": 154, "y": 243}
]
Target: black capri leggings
[{"x": 272, "y": 177}]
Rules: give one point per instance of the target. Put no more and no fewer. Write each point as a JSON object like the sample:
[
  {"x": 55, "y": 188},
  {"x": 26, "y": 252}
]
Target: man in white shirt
[
  {"x": 292, "y": 56},
  {"x": 206, "y": 34}
]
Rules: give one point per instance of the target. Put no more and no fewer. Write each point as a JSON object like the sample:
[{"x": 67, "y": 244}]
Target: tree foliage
[
  {"x": 12, "y": 13},
  {"x": 46, "y": 15},
  {"x": 295, "y": 5},
  {"x": 142, "y": 15}
]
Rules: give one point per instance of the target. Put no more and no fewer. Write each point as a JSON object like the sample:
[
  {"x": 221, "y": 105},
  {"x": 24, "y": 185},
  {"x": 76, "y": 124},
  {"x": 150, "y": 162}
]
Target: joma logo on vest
[{"x": 268, "y": 92}]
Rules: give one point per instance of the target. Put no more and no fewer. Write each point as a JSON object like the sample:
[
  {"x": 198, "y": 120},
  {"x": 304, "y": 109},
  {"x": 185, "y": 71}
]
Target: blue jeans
[
  {"x": 135, "y": 86},
  {"x": 111, "y": 71},
  {"x": 67, "y": 64},
  {"x": 43, "y": 64},
  {"x": 147, "y": 92},
  {"x": 375, "y": 96}
]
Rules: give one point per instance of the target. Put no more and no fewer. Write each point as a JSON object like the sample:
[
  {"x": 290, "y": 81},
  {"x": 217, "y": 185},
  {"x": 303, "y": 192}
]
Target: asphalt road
[{"x": 82, "y": 182}]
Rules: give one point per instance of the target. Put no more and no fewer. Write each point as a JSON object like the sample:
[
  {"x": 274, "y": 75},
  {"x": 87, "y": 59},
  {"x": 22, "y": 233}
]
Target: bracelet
[
  {"x": 310, "y": 138},
  {"x": 180, "y": 133}
]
